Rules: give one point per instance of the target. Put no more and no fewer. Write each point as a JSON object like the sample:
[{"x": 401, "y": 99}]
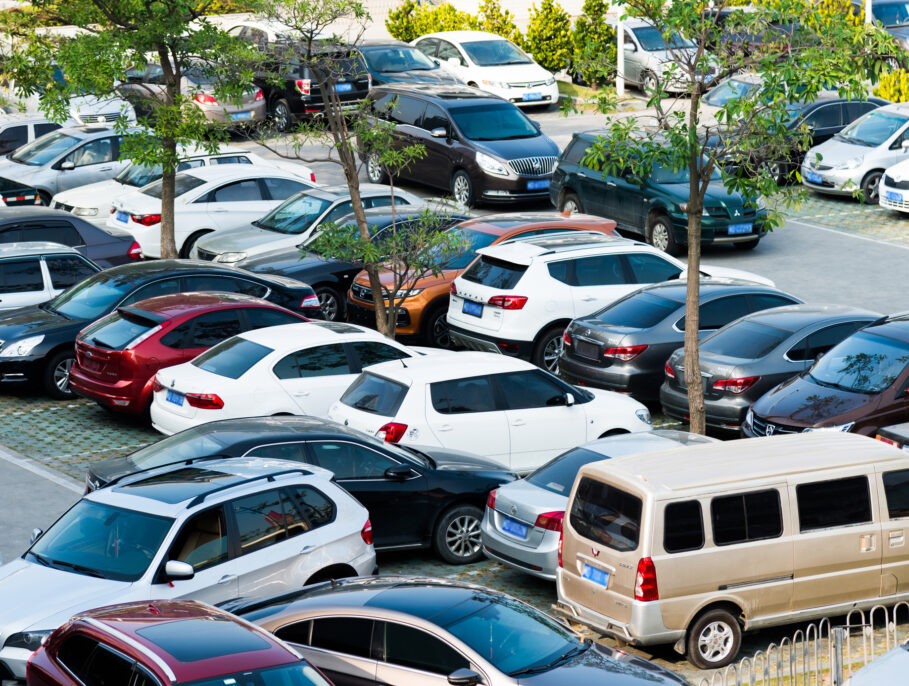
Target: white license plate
[
  {"x": 241, "y": 116},
  {"x": 893, "y": 197},
  {"x": 735, "y": 229},
  {"x": 597, "y": 576},
  {"x": 530, "y": 97},
  {"x": 814, "y": 177},
  {"x": 174, "y": 397},
  {"x": 472, "y": 308},
  {"x": 514, "y": 528},
  {"x": 123, "y": 217}
]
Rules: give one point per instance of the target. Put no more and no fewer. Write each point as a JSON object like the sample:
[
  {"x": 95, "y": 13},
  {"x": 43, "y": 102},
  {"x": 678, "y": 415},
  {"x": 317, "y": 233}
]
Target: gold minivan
[{"x": 694, "y": 545}]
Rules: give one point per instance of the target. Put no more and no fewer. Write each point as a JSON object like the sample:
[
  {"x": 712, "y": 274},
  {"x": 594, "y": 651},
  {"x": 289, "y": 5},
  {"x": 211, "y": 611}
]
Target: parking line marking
[
  {"x": 849, "y": 235},
  {"x": 15, "y": 458}
]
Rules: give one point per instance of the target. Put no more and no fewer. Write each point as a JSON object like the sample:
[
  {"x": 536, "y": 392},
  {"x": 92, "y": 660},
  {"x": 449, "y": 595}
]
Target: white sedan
[
  {"x": 500, "y": 407},
  {"x": 207, "y": 199},
  {"x": 290, "y": 369}
]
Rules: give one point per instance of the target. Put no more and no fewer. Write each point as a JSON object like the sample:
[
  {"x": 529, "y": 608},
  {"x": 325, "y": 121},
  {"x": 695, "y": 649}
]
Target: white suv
[
  {"x": 517, "y": 298},
  {"x": 211, "y": 530}
]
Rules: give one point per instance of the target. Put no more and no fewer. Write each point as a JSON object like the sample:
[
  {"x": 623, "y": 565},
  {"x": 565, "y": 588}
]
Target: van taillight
[
  {"x": 561, "y": 538},
  {"x": 551, "y": 521},
  {"x": 491, "y": 499},
  {"x": 645, "y": 583}
]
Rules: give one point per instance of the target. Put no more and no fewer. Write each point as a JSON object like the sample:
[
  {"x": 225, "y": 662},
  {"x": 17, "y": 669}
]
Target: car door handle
[
  {"x": 867, "y": 543},
  {"x": 105, "y": 168},
  {"x": 308, "y": 549},
  {"x": 896, "y": 539},
  {"x": 580, "y": 173},
  {"x": 610, "y": 183},
  {"x": 444, "y": 427},
  {"x": 227, "y": 578},
  {"x": 220, "y": 210},
  {"x": 301, "y": 394},
  {"x": 518, "y": 422},
  {"x": 588, "y": 299}
]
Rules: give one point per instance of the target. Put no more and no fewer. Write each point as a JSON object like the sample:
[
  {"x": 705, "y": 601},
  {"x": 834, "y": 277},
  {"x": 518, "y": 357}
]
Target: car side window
[
  {"x": 21, "y": 276},
  {"x": 54, "y": 232},
  {"x": 896, "y": 487},
  {"x": 261, "y": 317},
  {"x": 11, "y": 235},
  {"x": 190, "y": 164},
  {"x": 350, "y": 460},
  {"x": 717, "y": 313},
  {"x": 337, "y": 212},
  {"x": 226, "y": 284},
  {"x": 370, "y": 352},
  {"x": 384, "y": 201},
  {"x": 94, "y": 152},
  {"x": 428, "y": 47},
  {"x": 746, "y": 517},
  {"x": 460, "y": 396},
  {"x": 313, "y": 508},
  {"x": 68, "y": 270},
  {"x": 143, "y": 678},
  {"x": 322, "y": 360},
  {"x": 651, "y": 268},
  {"x": 825, "y": 117},
  {"x": 530, "y": 389},
  {"x": 41, "y": 129},
  {"x": 348, "y": 635},
  {"x": 295, "y": 452},
  {"x": 202, "y": 542},
  {"x": 601, "y": 270},
  {"x": 12, "y": 137},
  {"x": 281, "y": 189},
  {"x": 163, "y": 287},
  {"x": 180, "y": 337},
  {"x": 764, "y": 301},
  {"x": 230, "y": 159},
  {"x": 154, "y": 75},
  {"x": 435, "y": 118},
  {"x": 406, "y": 646},
  {"x": 407, "y": 110},
  {"x": 833, "y": 503},
  {"x": 683, "y": 526},
  {"x": 74, "y": 653},
  {"x": 821, "y": 341},
  {"x": 574, "y": 153},
  {"x": 854, "y": 110},
  {"x": 107, "y": 668},
  {"x": 260, "y": 520},
  {"x": 213, "y": 327},
  {"x": 447, "y": 51},
  {"x": 238, "y": 191}
]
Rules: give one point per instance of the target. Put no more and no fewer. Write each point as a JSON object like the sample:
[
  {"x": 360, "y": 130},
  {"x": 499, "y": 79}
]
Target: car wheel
[
  {"x": 661, "y": 235},
  {"x": 548, "y": 349},
  {"x": 190, "y": 242},
  {"x": 457, "y": 535},
  {"x": 776, "y": 171},
  {"x": 331, "y": 304},
  {"x": 649, "y": 82},
  {"x": 374, "y": 170},
  {"x": 462, "y": 188},
  {"x": 281, "y": 115},
  {"x": 713, "y": 640},
  {"x": 56, "y": 375},
  {"x": 747, "y": 245},
  {"x": 435, "y": 329},
  {"x": 870, "y": 187},
  {"x": 45, "y": 198},
  {"x": 571, "y": 204}
]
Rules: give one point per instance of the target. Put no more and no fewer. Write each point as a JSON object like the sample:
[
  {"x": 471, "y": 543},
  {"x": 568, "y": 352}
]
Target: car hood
[
  {"x": 731, "y": 273},
  {"x": 538, "y": 146},
  {"x": 717, "y": 194},
  {"x": 461, "y": 461},
  {"x": 283, "y": 261},
  {"x": 31, "y": 321},
  {"x": 600, "y": 664},
  {"x": 112, "y": 468},
  {"x": 417, "y": 75},
  {"x": 242, "y": 239},
  {"x": 387, "y": 278},
  {"x": 17, "y": 172},
  {"x": 93, "y": 194},
  {"x": 802, "y": 402},
  {"x": 835, "y": 151},
  {"x": 513, "y": 73}
]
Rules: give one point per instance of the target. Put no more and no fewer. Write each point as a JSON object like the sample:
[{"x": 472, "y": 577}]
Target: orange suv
[{"x": 423, "y": 312}]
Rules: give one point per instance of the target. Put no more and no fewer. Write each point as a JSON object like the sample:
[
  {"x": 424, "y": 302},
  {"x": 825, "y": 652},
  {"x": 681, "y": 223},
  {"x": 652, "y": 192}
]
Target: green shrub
[
  {"x": 548, "y": 36},
  {"x": 401, "y": 22},
  {"x": 491, "y": 17},
  {"x": 411, "y": 20},
  {"x": 593, "y": 45},
  {"x": 894, "y": 86}
]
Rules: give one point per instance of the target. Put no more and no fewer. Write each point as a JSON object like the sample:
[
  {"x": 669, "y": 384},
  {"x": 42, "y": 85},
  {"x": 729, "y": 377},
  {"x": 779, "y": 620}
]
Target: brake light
[
  {"x": 668, "y": 370},
  {"x": 310, "y": 301},
  {"x": 508, "y": 302},
  {"x": 735, "y": 385},
  {"x": 146, "y": 219},
  {"x": 392, "y": 432},
  {"x": 304, "y": 86},
  {"x": 551, "y": 521},
  {"x": 878, "y": 437},
  {"x": 205, "y": 99},
  {"x": 626, "y": 353},
  {"x": 312, "y": 176},
  {"x": 366, "y": 533},
  {"x": 645, "y": 583},
  {"x": 453, "y": 289},
  {"x": 259, "y": 96},
  {"x": 491, "y": 499},
  {"x": 205, "y": 401},
  {"x": 135, "y": 251},
  {"x": 565, "y": 339},
  {"x": 157, "y": 385},
  {"x": 561, "y": 538}
]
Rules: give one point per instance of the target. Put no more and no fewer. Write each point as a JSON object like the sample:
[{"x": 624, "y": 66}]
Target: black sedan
[
  {"x": 106, "y": 247},
  {"x": 415, "y": 497},
  {"x": 750, "y": 356},
  {"x": 624, "y": 347},
  {"x": 38, "y": 342}
]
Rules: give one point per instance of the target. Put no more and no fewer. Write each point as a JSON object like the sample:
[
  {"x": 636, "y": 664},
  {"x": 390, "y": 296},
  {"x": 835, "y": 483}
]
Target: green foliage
[
  {"x": 894, "y": 86},
  {"x": 412, "y": 19},
  {"x": 491, "y": 17},
  {"x": 594, "y": 44},
  {"x": 548, "y": 36}
]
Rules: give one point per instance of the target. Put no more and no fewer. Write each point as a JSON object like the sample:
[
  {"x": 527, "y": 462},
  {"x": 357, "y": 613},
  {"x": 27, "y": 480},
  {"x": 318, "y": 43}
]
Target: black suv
[{"x": 478, "y": 146}]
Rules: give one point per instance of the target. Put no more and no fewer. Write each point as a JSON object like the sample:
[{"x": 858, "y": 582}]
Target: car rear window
[
  {"x": 494, "y": 273},
  {"x": 606, "y": 514},
  {"x": 375, "y": 394},
  {"x": 231, "y": 358},
  {"x": 557, "y": 475},
  {"x": 638, "y": 311},
  {"x": 117, "y": 331},
  {"x": 183, "y": 183},
  {"x": 746, "y": 340}
]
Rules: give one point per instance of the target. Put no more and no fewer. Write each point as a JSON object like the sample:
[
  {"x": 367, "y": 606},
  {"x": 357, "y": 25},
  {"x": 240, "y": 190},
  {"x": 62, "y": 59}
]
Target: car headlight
[
  {"x": 408, "y": 294},
  {"x": 491, "y": 165},
  {"x": 845, "y": 428},
  {"x": 684, "y": 206},
  {"x": 550, "y": 80},
  {"x": 644, "y": 415},
  {"x": 30, "y": 640},
  {"x": 749, "y": 417},
  {"x": 230, "y": 257},
  {"x": 854, "y": 163},
  {"x": 761, "y": 203},
  {"x": 494, "y": 84},
  {"x": 21, "y": 348},
  {"x": 85, "y": 211}
]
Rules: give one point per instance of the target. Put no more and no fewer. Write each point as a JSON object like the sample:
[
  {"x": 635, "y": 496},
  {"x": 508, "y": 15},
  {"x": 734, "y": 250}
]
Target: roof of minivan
[{"x": 744, "y": 460}]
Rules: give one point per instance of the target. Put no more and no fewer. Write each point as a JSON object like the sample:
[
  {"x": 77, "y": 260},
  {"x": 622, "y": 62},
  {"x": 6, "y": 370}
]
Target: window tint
[
  {"x": 383, "y": 201},
  {"x": 313, "y": 508},
  {"x": 374, "y": 394},
  {"x": 639, "y": 311},
  {"x": 75, "y": 652},
  {"x": 163, "y": 287},
  {"x": 574, "y": 153},
  {"x": 190, "y": 164},
  {"x": 409, "y": 647},
  {"x": 41, "y": 129},
  {"x": 225, "y": 284},
  {"x": 349, "y": 460},
  {"x": 428, "y": 46},
  {"x": 280, "y": 451},
  {"x": 825, "y": 117},
  {"x": 854, "y": 110},
  {"x": 683, "y": 527},
  {"x": 213, "y": 327},
  {"x": 606, "y": 514},
  {"x": 13, "y": 137},
  {"x": 230, "y": 159},
  {"x": 447, "y": 50},
  {"x": 651, "y": 268},
  {"x": 202, "y": 542},
  {"x": 282, "y": 189},
  {"x": 764, "y": 301},
  {"x": 435, "y": 118},
  {"x": 21, "y": 276},
  {"x": 407, "y": 110},
  {"x": 746, "y": 517},
  {"x": 260, "y": 520},
  {"x": 11, "y": 235},
  {"x": 348, "y": 635},
  {"x": 338, "y": 212},
  {"x": 745, "y": 339},
  {"x": 462, "y": 395},
  {"x": 183, "y": 183},
  {"x": 180, "y": 337},
  {"x": 261, "y": 317},
  {"x": 374, "y": 353},
  {"x": 838, "y": 502},
  {"x": 532, "y": 388},
  {"x": 67, "y": 271},
  {"x": 239, "y": 191},
  {"x": 494, "y": 273},
  {"x": 93, "y": 152},
  {"x": 323, "y": 360},
  {"x": 896, "y": 486},
  {"x": 106, "y": 668},
  {"x": 231, "y": 358},
  {"x": 602, "y": 270},
  {"x": 298, "y": 633},
  {"x": 717, "y": 313},
  {"x": 55, "y": 232},
  {"x": 821, "y": 341}
]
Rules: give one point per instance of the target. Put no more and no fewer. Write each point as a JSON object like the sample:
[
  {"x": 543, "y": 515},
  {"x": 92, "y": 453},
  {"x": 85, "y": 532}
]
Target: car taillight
[
  {"x": 259, "y": 96},
  {"x": 205, "y": 401},
  {"x": 566, "y": 340},
  {"x": 366, "y": 533},
  {"x": 146, "y": 219},
  {"x": 453, "y": 289},
  {"x": 135, "y": 251},
  {"x": 491, "y": 499},
  {"x": 668, "y": 370},
  {"x": 304, "y": 86},
  {"x": 312, "y": 176},
  {"x": 310, "y": 301},
  {"x": 735, "y": 385},
  {"x": 551, "y": 521},
  {"x": 508, "y": 302},
  {"x": 626, "y": 353},
  {"x": 157, "y": 385},
  {"x": 392, "y": 432},
  {"x": 205, "y": 99},
  {"x": 645, "y": 583},
  {"x": 561, "y": 538}
]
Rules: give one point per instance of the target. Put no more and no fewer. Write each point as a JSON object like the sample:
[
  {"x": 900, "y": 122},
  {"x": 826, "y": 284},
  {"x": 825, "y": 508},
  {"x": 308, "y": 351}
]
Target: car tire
[
  {"x": 281, "y": 115},
  {"x": 661, "y": 236},
  {"x": 189, "y": 243},
  {"x": 747, "y": 245},
  {"x": 462, "y": 189},
  {"x": 56, "y": 375},
  {"x": 571, "y": 203},
  {"x": 374, "y": 170},
  {"x": 649, "y": 82},
  {"x": 870, "y": 186},
  {"x": 548, "y": 349},
  {"x": 331, "y": 302},
  {"x": 457, "y": 535},
  {"x": 435, "y": 327},
  {"x": 713, "y": 639}
]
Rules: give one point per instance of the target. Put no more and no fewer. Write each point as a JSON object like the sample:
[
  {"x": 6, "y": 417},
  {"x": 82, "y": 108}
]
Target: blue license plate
[
  {"x": 735, "y": 229},
  {"x": 530, "y": 97},
  {"x": 472, "y": 308},
  {"x": 174, "y": 397},
  {"x": 813, "y": 177},
  {"x": 541, "y": 184},
  {"x": 241, "y": 116},
  {"x": 597, "y": 576},
  {"x": 893, "y": 197},
  {"x": 344, "y": 87},
  {"x": 123, "y": 217},
  {"x": 510, "y": 526}
]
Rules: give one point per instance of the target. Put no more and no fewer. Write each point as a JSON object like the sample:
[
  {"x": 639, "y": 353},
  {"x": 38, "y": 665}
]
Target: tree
[
  {"x": 548, "y": 36},
  {"x": 118, "y": 35},
  {"x": 594, "y": 44},
  {"x": 795, "y": 49}
]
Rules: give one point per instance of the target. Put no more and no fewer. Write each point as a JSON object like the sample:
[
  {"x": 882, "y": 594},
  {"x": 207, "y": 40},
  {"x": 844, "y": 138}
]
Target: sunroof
[
  {"x": 338, "y": 327},
  {"x": 191, "y": 640},
  {"x": 178, "y": 485}
]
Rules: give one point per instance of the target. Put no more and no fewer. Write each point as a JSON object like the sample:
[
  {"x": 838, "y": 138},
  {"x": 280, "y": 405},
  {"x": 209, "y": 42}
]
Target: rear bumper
[
  {"x": 727, "y": 414},
  {"x": 122, "y": 396},
  {"x": 490, "y": 344},
  {"x": 364, "y": 314},
  {"x": 540, "y": 562},
  {"x": 623, "y": 379}
]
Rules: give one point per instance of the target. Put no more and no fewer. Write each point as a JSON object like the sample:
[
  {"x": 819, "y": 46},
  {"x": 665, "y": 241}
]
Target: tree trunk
[
  {"x": 169, "y": 169},
  {"x": 692, "y": 293}
]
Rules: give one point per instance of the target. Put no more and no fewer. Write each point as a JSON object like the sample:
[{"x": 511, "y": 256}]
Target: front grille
[
  {"x": 893, "y": 183},
  {"x": 529, "y": 84},
  {"x": 533, "y": 166},
  {"x": 104, "y": 117},
  {"x": 762, "y": 426},
  {"x": 361, "y": 292},
  {"x": 206, "y": 255},
  {"x": 716, "y": 211}
]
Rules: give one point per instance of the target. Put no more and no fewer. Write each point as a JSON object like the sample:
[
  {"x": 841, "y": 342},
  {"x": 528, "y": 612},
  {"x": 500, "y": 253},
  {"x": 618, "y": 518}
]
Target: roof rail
[
  {"x": 269, "y": 477},
  {"x": 897, "y": 316},
  {"x": 186, "y": 461},
  {"x": 556, "y": 232}
]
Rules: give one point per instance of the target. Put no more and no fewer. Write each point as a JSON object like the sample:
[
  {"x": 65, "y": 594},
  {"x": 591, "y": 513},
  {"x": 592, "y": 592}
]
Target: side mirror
[
  {"x": 463, "y": 677},
  {"x": 818, "y": 356},
  {"x": 453, "y": 62},
  {"x": 36, "y": 534},
  {"x": 437, "y": 63},
  {"x": 537, "y": 125},
  {"x": 67, "y": 165},
  {"x": 440, "y": 132},
  {"x": 569, "y": 399},
  {"x": 905, "y": 144},
  {"x": 399, "y": 472},
  {"x": 630, "y": 47},
  {"x": 175, "y": 570}
]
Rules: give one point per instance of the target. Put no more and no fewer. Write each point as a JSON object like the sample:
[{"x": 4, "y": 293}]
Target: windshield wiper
[
  {"x": 88, "y": 571},
  {"x": 47, "y": 308},
  {"x": 836, "y": 386},
  {"x": 577, "y": 650},
  {"x": 42, "y": 559}
]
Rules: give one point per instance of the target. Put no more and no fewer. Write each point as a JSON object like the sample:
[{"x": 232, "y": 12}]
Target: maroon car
[
  {"x": 164, "y": 643},
  {"x": 118, "y": 355}
]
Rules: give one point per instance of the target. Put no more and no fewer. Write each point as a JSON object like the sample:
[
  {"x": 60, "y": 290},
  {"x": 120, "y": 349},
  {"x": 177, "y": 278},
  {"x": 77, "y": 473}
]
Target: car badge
[
  {"x": 514, "y": 510},
  {"x": 769, "y": 430},
  {"x": 537, "y": 167},
  {"x": 737, "y": 214},
  {"x": 594, "y": 552},
  {"x": 89, "y": 353},
  {"x": 346, "y": 422},
  {"x": 586, "y": 332}
]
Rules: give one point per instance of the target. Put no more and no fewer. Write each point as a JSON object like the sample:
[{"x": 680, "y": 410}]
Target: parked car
[
  {"x": 424, "y": 311},
  {"x": 17, "y": 129},
  {"x": 292, "y": 223},
  {"x": 654, "y": 207},
  {"x": 64, "y": 159},
  {"x": 495, "y": 64},
  {"x": 517, "y": 298},
  {"x": 117, "y": 356},
  {"x": 856, "y": 158},
  {"x": 103, "y": 246},
  {"x": 895, "y": 434},
  {"x": 420, "y": 630},
  {"x": 860, "y": 385},
  {"x": 522, "y": 525},
  {"x": 751, "y": 355},
  {"x": 625, "y": 346},
  {"x": 290, "y": 369},
  {"x": 478, "y": 147},
  {"x": 207, "y": 200},
  {"x": 890, "y": 15},
  {"x": 207, "y": 532},
  {"x": 165, "y": 642},
  {"x": 33, "y": 272},
  {"x": 888, "y": 668},
  {"x": 503, "y": 408},
  {"x": 38, "y": 342},
  {"x": 393, "y": 61}
]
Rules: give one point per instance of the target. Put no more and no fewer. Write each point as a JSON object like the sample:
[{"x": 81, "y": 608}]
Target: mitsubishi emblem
[{"x": 738, "y": 214}]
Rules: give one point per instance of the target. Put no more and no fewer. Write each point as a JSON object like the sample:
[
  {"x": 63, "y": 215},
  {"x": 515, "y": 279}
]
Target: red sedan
[{"x": 117, "y": 356}]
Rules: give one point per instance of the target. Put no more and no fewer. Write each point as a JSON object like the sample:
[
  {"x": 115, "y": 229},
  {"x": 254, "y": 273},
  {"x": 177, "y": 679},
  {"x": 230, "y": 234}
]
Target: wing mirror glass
[
  {"x": 176, "y": 570},
  {"x": 36, "y": 534},
  {"x": 463, "y": 677},
  {"x": 569, "y": 399},
  {"x": 67, "y": 165}
]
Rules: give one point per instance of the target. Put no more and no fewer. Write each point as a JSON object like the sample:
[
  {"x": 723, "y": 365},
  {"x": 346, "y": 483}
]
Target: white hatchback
[
  {"x": 291, "y": 369},
  {"x": 499, "y": 407}
]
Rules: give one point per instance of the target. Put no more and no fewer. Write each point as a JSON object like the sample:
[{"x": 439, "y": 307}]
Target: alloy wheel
[
  {"x": 463, "y": 536},
  {"x": 374, "y": 169},
  {"x": 282, "y": 117},
  {"x": 329, "y": 304},
  {"x": 462, "y": 190},
  {"x": 440, "y": 334},
  {"x": 715, "y": 641},
  {"x": 551, "y": 353},
  {"x": 660, "y": 236},
  {"x": 61, "y": 374},
  {"x": 570, "y": 206}
]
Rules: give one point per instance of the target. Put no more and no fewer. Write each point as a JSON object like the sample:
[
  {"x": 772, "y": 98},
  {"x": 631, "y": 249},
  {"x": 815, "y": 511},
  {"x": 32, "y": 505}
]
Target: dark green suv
[{"x": 653, "y": 207}]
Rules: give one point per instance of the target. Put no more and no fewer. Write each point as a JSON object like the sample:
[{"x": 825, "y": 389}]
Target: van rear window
[
  {"x": 494, "y": 273},
  {"x": 606, "y": 514}
]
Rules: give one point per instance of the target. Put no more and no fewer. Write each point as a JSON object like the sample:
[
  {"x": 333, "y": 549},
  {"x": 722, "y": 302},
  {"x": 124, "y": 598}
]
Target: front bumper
[
  {"x": 833, "y": 181},
  {"x": 726, "y": 413},
  {"x": 512, "y": 188},
  {"x": 490, "y": 344},
  {"x": 525, "y": 95},
  {"x": 896, "y": 199},
  {"x": 541, "y": 562},
  {"x": 715, "y": 230},
  {"x": 21, "y": 369},
  {"x": 621, "y": 378},
  {"x": 363, "y": 313},
  {"x": 13, "y": 662}
]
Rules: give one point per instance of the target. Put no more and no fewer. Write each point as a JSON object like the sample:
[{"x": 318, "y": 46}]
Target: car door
[
  {"x": 824, "y": 122},
  {"x": 437, "y": 166},
  {"x": 340, "y": 646},
  {"x": 540, "y": 422},
  {"x": 626, "y": 201},
  {"x": 407, "y": 114},
  {"x": 67, "y": 270},
  {"x": 93, "y": 161},
  {"x": 236, "y": 203},
  {"x": 593, "y": 281},
  {"x": 22, "y": 283},
  {"x": 202, "y": 332},
  {"x": 455, "y": 62},
  {"x": 893, "y": 496},
  {"x": 633, "y": 58},
  {"x": 463, "y": 414},
  {"x": 805, "y": 352},
  {"x": 413, "y": 656},
  {"x": 314, "y": 378}
]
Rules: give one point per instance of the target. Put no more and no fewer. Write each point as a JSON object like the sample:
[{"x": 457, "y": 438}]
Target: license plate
[
  {"x": 540, "y": 185},
  {"x": 472, "y": 308},
  {"x": 597, "y": 576},
  {"x": 739, "y": 228},
  {"x": 123, "y": 217},
  {"x": 174, "y": 397},
  {"x": 240, "y": 116},
  {"x": 529, "y": 97},
  {"x": 893, "y": 197},
  {"x": 344, "y": 87},
  {"x": 681, "y": 378},
  {"x": 585, "y": 349},
  {"x": 514, "y": 528},
  {"x": 814, "y": 177}
]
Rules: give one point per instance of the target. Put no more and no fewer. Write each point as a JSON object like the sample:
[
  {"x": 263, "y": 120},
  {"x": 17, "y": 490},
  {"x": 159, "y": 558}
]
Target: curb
[
  {"x": 631, "y": 104},
  {"x": 35, "y": 467}
]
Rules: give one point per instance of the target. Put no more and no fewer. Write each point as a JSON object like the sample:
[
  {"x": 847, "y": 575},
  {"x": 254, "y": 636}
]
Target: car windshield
[
  {"x": 92, "y": 298},
  {"x": 557, "y": 475},
  {"x": 745, "y": 340},
  {"x": 293, "y": 674},
  {"x": 475, "y": 240},
  {"x": 397, "y": 58},
  {"x": 44, "y": 149},
  {"x": 488, "y": 53},
  {"x": 661, "y": 174},
  {"x": 729, "y": 90},
  {"x": 873, "y": 129},
  {"x": 101, "y": 540},
  {"x": 493, "y": 122},
  {"x": 652, "y": 40},
  {"x": 891, "y": 13},
  {"x": 183, "y": 183},
  {"x": 231, "y": 358},
  {"x": 294, "y": 215},
  {"x": 138, "y": 175},
  {"x": 863, "y": 363}
]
